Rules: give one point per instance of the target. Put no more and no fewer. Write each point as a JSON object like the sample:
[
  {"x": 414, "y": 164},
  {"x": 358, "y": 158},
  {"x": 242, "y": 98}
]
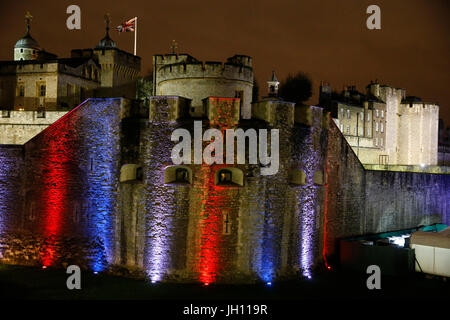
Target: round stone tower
[
  {"x": 26, "y": 48},
  {"x": 183, "y": 75}
]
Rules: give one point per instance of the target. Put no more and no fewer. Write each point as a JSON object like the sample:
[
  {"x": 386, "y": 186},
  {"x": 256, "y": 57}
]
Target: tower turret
[
  {"x": 26, "y": 48},
  {"x": 273, "y": 84},
  {"x": 106, "y": 42}
]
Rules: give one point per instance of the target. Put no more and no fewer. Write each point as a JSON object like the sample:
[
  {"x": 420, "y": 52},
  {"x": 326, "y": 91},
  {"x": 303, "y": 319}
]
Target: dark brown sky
[{"x": 326, "y": 38}]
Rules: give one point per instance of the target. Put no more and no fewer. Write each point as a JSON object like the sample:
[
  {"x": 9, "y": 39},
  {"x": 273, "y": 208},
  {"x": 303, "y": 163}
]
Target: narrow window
[
  {"x": 181, "y": 175},
  {"x": 32, "y": 213},
  {"x": 76, "y": 213},
  {"x": 382, "y": 113},
  {"x": 376, "y": 112},
  {"x": 376, "y": 126},
  {"x": 226, "y": 224},
  {"x": 368, "y": 117},
  {"x": 139, "y": 174},
  {"x": 240, "y": 94},
  {"x": 348, "y": 114},
  {"x": 348, "y": 129},
  {"x": 342, "y": 127},
  {"x": 342, "y": 113},
  {"x": 42, "y": 90},
  {"x": 382, "y": 127},
  {"x": 362, "y": 116},
  {"x": 21, "y": 90},
  {"x": 376, "y": 141},
  {"x": 381, "y": 141}
]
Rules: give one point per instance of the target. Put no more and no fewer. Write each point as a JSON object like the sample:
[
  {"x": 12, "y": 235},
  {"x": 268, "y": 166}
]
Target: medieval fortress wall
[
  {"x": 411, "y": 129},
  {"x": 98, "y": 187},
  {"x": 392, "y": 128},
  {"x": 17, "y": 127},
  {"x": 187, "y": 77}
]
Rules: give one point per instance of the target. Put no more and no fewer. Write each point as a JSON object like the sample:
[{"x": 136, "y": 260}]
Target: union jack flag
[{"x": 127, "y": 26}]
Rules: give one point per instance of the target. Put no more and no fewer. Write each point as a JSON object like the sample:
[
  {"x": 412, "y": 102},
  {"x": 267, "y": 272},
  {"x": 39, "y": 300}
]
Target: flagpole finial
[
  {"x": 107, "y": 21},
  {"x": 174, "y": 47},
  {"x": 28, "y": 18}
]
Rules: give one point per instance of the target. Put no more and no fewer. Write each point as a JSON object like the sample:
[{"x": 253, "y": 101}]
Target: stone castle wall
[
  {"x": 185, "y": 76},
  {"x": 274, "y": 225},
  {"x": 21, "y": 126},
  {"x": 68, "y": 195},
  {"x": 73, "y": 199},
  {"x": 363, "y": 201},
  {"x": 418, "y": 134}
]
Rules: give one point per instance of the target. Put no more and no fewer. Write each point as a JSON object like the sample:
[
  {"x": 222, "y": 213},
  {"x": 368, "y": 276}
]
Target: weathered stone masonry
[{"x": 97, "y": 189}]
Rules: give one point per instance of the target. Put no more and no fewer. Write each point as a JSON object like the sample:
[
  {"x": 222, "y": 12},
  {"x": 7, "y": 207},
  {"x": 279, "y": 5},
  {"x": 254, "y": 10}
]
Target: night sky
[{"x": 327, "y": 39}]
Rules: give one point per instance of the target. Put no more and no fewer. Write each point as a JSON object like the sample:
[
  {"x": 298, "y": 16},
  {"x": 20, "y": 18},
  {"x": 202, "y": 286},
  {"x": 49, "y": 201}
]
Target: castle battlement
[
  {"x": 118, "y": 57},
  {"x": 29, "y": 67},
  {"x": 419, "y": 107},
  {"x": 163, "y": 59},
  {"x": 208, "y": 69}
]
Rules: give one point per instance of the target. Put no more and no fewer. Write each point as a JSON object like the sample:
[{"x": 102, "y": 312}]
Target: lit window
[
  {"x": 368, "y": 117},
  {"x": 376, "y": 141},
  {"x": 376, "y": 112},
  {"x": 362, "y": 116},
  {"x": 229, "y": 177},
  {"x": 342, "y": 113},
  {"x": 342, "y": 127},
  {"x": 225, "y": 177},
  {"x": 348, "y": 114},
  {"x": 376, "y": 126},
  {"x": 382, "y": 113},
  {"x": 382, "y": 127}
]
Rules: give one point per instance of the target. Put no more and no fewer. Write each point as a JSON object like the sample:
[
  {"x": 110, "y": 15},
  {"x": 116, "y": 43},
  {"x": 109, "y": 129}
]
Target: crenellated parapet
[
  {"x": 183, "y": 75},
  {"x": 208, "y": 69}
]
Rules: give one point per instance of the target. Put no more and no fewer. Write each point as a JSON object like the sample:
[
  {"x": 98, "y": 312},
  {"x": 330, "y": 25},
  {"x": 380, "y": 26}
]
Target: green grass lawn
[{"x": 17, "y": 282}]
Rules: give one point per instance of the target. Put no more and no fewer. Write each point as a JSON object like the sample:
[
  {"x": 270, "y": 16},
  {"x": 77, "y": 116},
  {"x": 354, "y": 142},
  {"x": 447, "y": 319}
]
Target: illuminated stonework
[{"x": 98, "y": 189}]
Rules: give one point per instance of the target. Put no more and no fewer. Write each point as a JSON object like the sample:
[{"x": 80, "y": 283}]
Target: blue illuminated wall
[
  {"x": 63, "y": 201},
  {"x": 69, "y": 187},
  {"x": 11, "y": 165}
]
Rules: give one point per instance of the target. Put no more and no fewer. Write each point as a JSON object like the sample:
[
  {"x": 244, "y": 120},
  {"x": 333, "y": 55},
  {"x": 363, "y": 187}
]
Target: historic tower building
[
  {"x": 38, "y": 87},
  {"x": 119, "y": 68},
  {"x": 26, "y": 48},
  {"x": 383, "y": 125},
  {"x": 183, "y": 75}
]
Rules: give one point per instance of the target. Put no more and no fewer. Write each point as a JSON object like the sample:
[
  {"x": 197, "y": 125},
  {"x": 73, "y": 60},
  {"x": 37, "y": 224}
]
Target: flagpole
[{"x": 135, "y": 35}]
